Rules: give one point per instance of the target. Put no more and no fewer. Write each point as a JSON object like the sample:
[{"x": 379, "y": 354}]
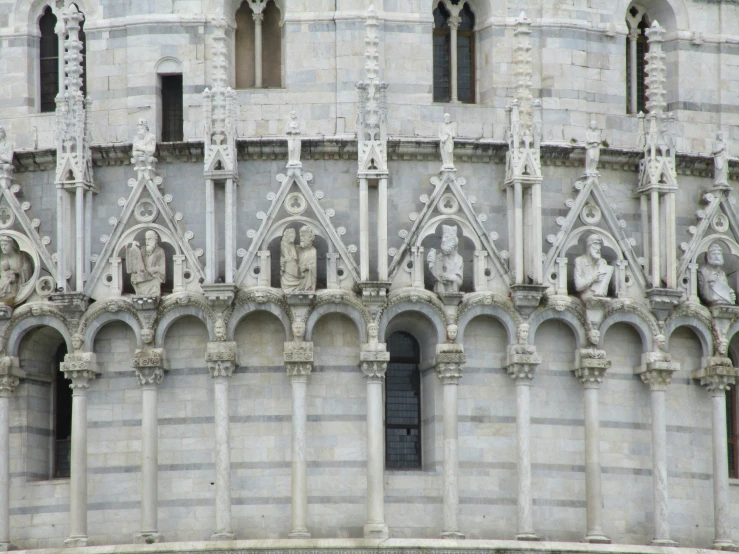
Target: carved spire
[
  {"x": 372, "y": 105},
  {"x": 74, "y": 162},
  {"x": 522, "y": 68},
  {"x": 656, "y": 76}
]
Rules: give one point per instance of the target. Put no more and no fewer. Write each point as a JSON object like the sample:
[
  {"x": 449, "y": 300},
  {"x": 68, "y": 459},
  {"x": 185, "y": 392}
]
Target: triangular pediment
[{"x": 373, "y": 158}]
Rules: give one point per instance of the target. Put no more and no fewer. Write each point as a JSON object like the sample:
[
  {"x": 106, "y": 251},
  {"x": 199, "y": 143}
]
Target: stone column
[
  {"x": 79, "y": 242},
  {"x": 454, "y": 22},
  {"x": 80, "y": 368},
  {"x": 299, "y": 363},
  {"x": 450, "y": 360},
  {"x": 521, "y": 365},
  {"x": 258, "y": 18},
  {"x": 150, "y": 365},
  {"x": 364, "y": 229},
  {"x": 592, "y": 368},
  {"x": 9, "y": 374},
  {"x": 718, "y": 376},
  {"x": 374, "y": 359},
  {"x": 632, "y": 70},
  {"x": 656, "y": 371},
  {"x": 220, "y": 358}
]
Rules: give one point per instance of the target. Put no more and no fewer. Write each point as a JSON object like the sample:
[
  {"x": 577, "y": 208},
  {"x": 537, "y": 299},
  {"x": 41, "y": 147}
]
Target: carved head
[
  {"x": 594, "y": 336},
  {"x": 660, "y": 342},
  {"x": 593, "y": 125},
  {"x": 307, "y": 236},
  {"x": 8, "y": 245},
  {"x": 298, "y": 330},
  {"x": 719, "y": 135},
  {"x": 220, "y": 330},
  {"x": 451, "y": 332},
  {"x": 288, "y": 235},
  {"x": 77, "y": 341},
  {"x": 143, "y": 127},
  {"x": 714, "y": 255},
  {"x": 152, "y": 239},
  {"x": 147, "y": 335},
  {"x": 293, "y": 115},
  {"x": 373, "y": 330},
  {"x": 447, "y": 118},
  {"x": 594, "y": 243},
  {"x": 449, "y": 239},
  {"x": 523, "y": 333}
]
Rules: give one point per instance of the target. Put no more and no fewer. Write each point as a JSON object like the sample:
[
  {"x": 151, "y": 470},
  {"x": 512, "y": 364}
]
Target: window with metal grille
[
  {"x": 442, "y": 55},
  {"x": 172, "y": 116},
  {"x": 731, "y": 432},
  {"x": 62, "y": 418},
  {"x": 403, "y": 404},
  {"x": 466, "y": 56},
  {"x": 49, "y": 61}
]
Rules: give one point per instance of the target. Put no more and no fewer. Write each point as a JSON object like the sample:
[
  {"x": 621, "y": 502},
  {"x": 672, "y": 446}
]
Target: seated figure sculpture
[
  {"x": 592, "y": 272},
  {"x": 447, "y": 266},
  {"x": 147, "y": 267},
  {"x": 298, "y": 264},
  {"x": 16, "y": 268},
  {"x": 713, "y": 286}
]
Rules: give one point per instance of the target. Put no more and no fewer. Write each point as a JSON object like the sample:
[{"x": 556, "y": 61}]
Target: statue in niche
[
  {"x": 522, "y": 346},
  {"x": 592, "y": 149},
  {"x": 293, "y": 141},
  {"x": 6, "y": 151},
  {"x": 298, "y": 264},
  {"x": 144, "y": 143},
  {"x": 592, "y": 272},
  {"x": 16, "y": 268},
  {"x": 147, "y": 267},
  {"x": 447, "y": 132},
  {"x": 447, "y": 266},
  {"x": 713, "y": 286},
  {"x": 720, "y": 155}
]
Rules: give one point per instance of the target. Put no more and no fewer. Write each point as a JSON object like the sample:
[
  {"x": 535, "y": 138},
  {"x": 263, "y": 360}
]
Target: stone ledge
[{"x": 361, "y": 546}]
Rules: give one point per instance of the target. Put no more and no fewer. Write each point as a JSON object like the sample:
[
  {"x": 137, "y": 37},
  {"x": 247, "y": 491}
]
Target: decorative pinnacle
[
  {"x": 371, "y": 41},
  {"x": 220, "y": 62},
  {"x": 523, "y": 71},
  {"x": 656, "y": 72},
  {"x": 73, "y": 53}
]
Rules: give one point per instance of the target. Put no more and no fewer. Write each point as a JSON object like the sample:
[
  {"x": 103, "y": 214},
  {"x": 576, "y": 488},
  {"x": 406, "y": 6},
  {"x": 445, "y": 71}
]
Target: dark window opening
[
  {"x": 62, "y": 418},
  {"x": 403, "y": 404},
  {"x": 49, "y": 61},
  {"x": 642, "y": 49},
  {"x": 731, "y": 432},
  {"x": 466, "y": 56},
  {"x": 442, "y": 55},
  {"x": 172, "y": 112}
]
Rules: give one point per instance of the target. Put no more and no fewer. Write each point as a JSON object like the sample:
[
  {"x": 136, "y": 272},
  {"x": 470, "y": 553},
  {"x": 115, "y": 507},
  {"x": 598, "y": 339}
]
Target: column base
[
  {"x": 663, "y": 542},
  {"x": 223, "y": 536},
  {"x": 452, "y": 535},
  {"x": 75, "y": 542},
  {"x": 527, "y": 537},
  {"x": 147, "y": 537},
  {"x": 725, "y": 544},
  {"x": 597, "y": 539},
  {"x": 299, "y": 535},
  {"x": 376, "y": 531}
]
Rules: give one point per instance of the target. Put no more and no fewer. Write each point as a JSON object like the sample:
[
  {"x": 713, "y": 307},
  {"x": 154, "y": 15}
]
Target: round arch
[
  {"x": 20, "y": 330},
  {"x": 178, "y": 312},
  {"x": 631, "y": 319},
  {"x": 249, "y": 307},
  {"x": 670, "y": 14},
  {"x": 435, "y": 317},
  {"x": 701, "y": 329},
  {"x": 495, "y": 312},
  {"x": 333, "y": 308},
  {"x": 27, "y": 12},
  {"x": 94, "y": 326},
  {"x": 572, "y": 321}
]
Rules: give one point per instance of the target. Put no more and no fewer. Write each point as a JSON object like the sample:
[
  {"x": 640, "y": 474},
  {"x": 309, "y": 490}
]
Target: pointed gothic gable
[
  {"x": 449, "y": 202},
  {"x": 594, "y": 211},
  {"x": 295, "y": 202},
  {"x": 372, "y": 158},
  {"x": 145, "y": 209}
]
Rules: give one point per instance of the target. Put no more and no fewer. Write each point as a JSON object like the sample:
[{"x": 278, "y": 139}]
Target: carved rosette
[
  {"x": 521, "y": 365},
  {"x": 220, "y": 357},
  {"x": 718, "y": 375},
  {"x": 450, "y": 360},
  {"x": 298, "y": 360},
  {"x": 80, "y": 368},
  {"x": 374, "y": 363},
  {"x": 9, "y": 374},
  {"x": 150, "y": 365},
  {"x": 592, "y": 368}
]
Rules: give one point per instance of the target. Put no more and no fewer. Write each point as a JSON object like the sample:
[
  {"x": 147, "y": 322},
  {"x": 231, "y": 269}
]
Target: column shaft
[
  {"x": 518, "y": 240},
  {"x": 536, "y": 233},
  {"x": 720, "y": 471},
  {"x": 299, "y": 473},
  {"x": 88, "y": 231},
  {"x": 632, "y": 73},
  {"x": 258, "y": 50},
  {"x": 451, "y": 487},
  {"x": 593, "y": 492},
  {"x": 656, "y": 238},
  {"x": 375, "y": 527},
  {"x": 78, "y": 470},
  {"x": 211, "y": 251},
  {"x": 79, "y": 246},
  {"x": 363, "y": 230},
  {"x": 228, "y": 242},
  {"x": 659, "y": 468},
  {"x": 223, "y": 458},
  {"x": 382, "y": 230},
  {"x": 149, "y": 461},
  {"x": 61, "y": 238},
  {"x": 4, "y": 472},
  {"x": 523, "y": 450},
  {"x": 453, "y": 25}
]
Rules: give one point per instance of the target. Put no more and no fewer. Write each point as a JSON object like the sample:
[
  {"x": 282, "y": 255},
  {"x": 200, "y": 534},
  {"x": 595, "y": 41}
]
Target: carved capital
[
  {"x": 374, "y": 363},
  {"x": 80, "y": 368},
  {"x": 9, "y": 373},
  {"x": 522, "y": 362},
  {"x": 657, "y": 369},
  {"x": 150, "y": 365},
  {"x": 220, "y": 357},
  {"x": 717, "y": 375},
  {"x": 592, "y": 367},
  {"x": 450, "y": 360},
  {"x": 298, "y": 351},
  {"x": 298, "y": 371},
  {"x": 8, "y": 384}
]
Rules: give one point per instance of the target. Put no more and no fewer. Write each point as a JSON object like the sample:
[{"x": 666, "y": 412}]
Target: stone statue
[
  {"x": 293, "y": 141},
  {"x": 522, "y": 346},
  {"x": 147, "y": 267},
  {"x": 16, "y": 268},
  {"x": 720, "y": 155},
  {"x": 592, "y": 272},
  {"x": 447, "y": 132},
  {"x": 448, "y": 265},
  {"x": 144, "y": 143},
  {"x": 713, "y": 286},
  {"x": 592, "y": 149},
  {"x": 6, "y": 151},
  {"x": 298, "y": 264}
]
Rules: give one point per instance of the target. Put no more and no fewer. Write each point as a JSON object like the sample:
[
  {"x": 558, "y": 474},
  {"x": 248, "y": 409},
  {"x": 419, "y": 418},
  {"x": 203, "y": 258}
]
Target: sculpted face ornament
[
  {"x": 298, "y": 330},
  {"x": 594, "y": 336},
  {"x": 451, "y": 332},
  {"x": 522, "y": 333},
  {"x": 147, "y": 335},
  {"x": 77, "y": 342},
  {"x": 713, "y": 284}
]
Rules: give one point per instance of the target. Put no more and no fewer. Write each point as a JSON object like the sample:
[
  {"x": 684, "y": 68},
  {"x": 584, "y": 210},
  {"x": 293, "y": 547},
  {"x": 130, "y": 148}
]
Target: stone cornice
[{"x": 399, "y": 149}]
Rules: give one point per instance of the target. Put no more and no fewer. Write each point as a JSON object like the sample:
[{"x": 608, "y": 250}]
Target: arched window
[
  {"x": 258, "y": 65},
  {"x": 49, "y": 61},
  {"x": 636, "y": 51},
  {"x": 454, "y": 52},
  {"x": 62, "y": 418},
  {"x": 403, "y": 403}
]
